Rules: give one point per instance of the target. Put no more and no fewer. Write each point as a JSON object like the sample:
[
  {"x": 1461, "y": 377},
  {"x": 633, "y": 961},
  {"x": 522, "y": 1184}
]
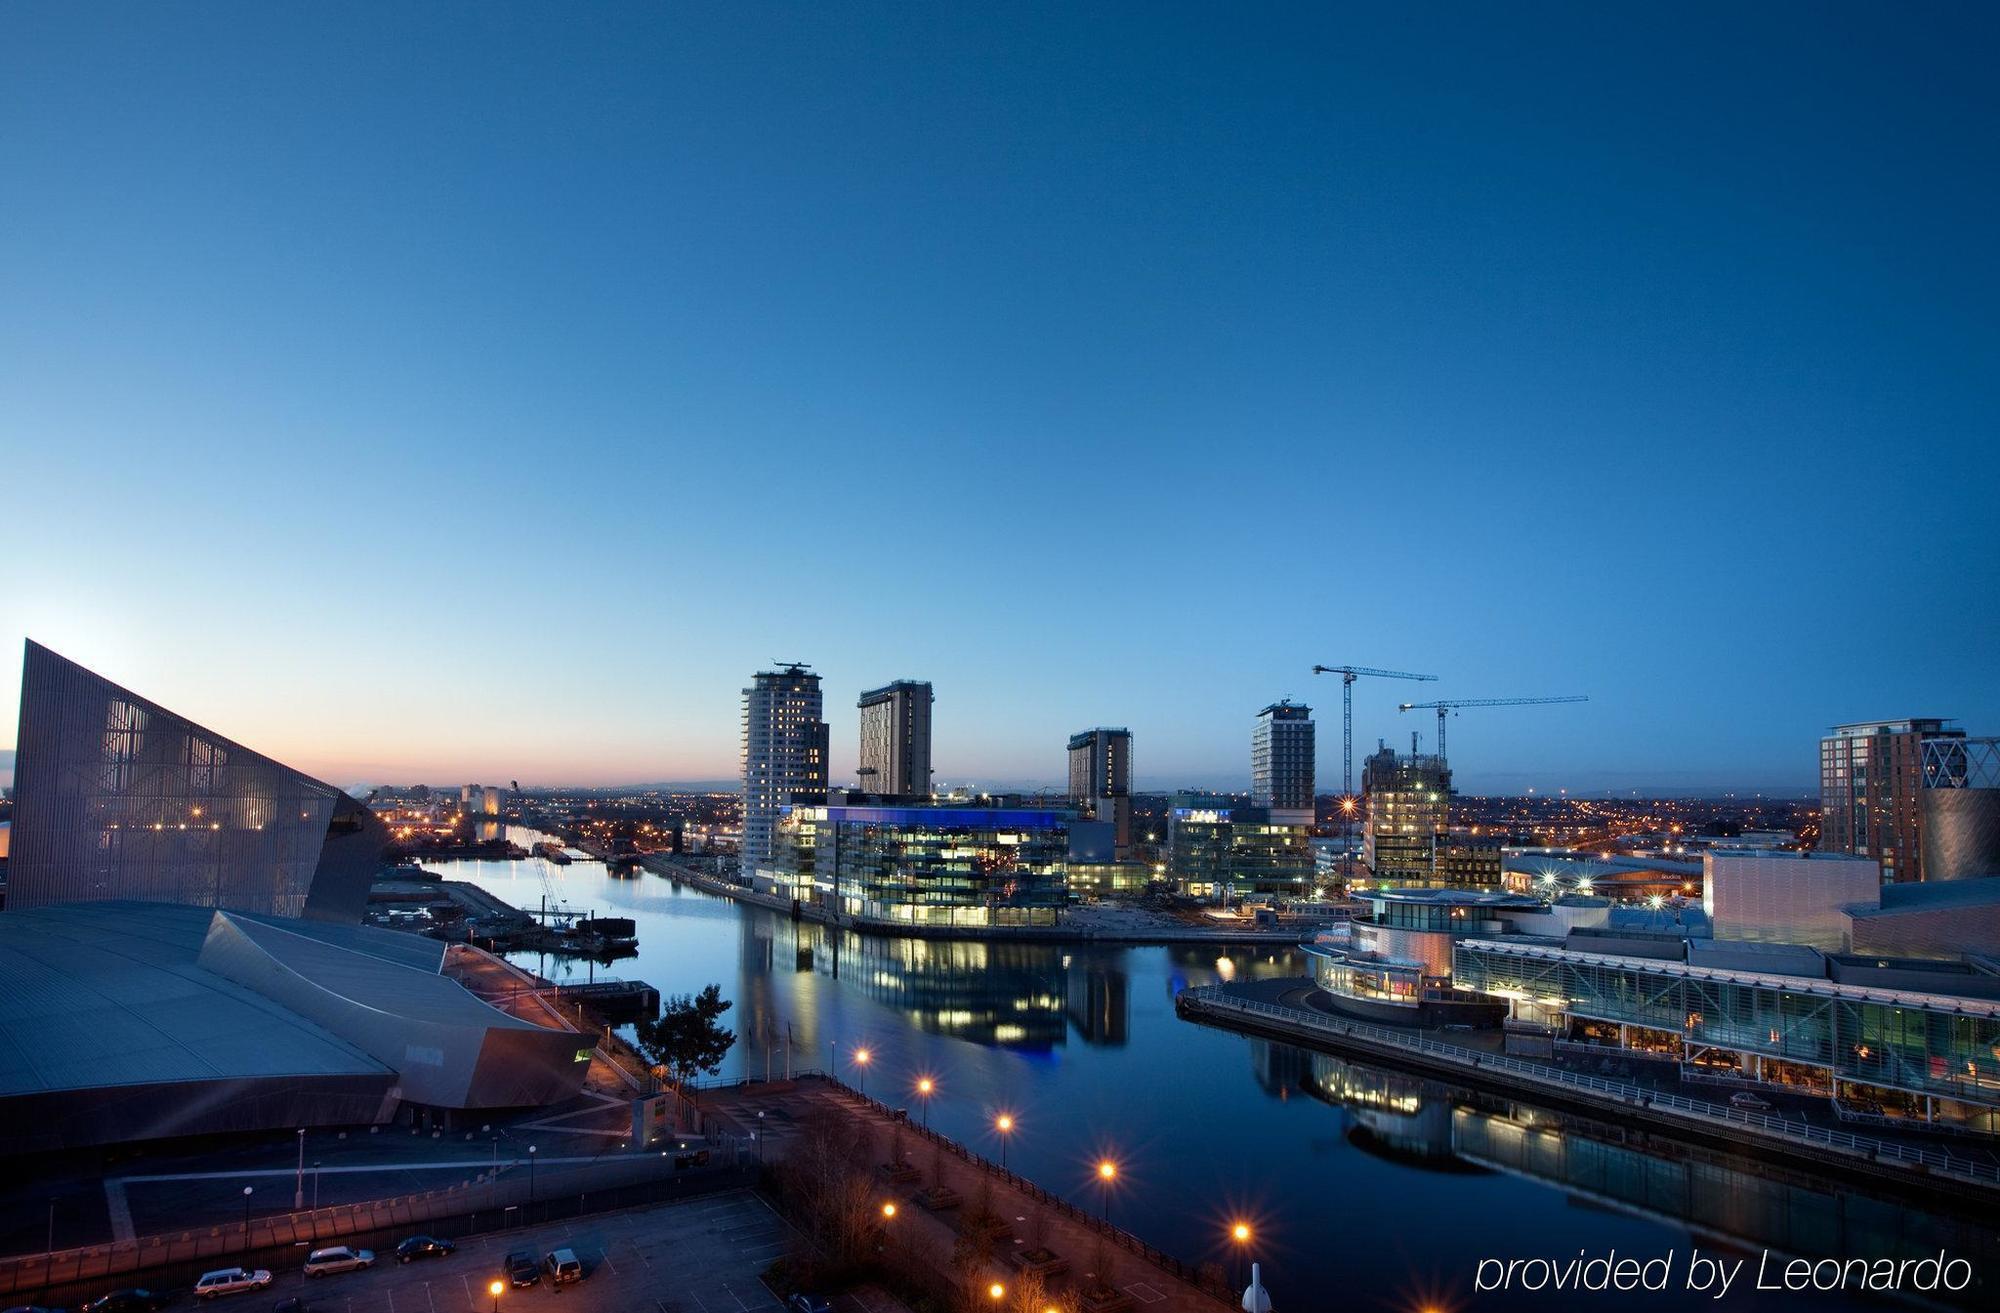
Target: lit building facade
[
  {"x": 1786, "y": 897},
  {"x": 1887, "y": 1040},
  {"x": 1470, "y": 861},
  {"x": 1283, "y": 762},
  {"x": 118, "y": 798},
  {"x": 1408, "y": 805},
  {"x": 784, "y": 755},
  {"x": 1395, "y": 963},
  {"x": 938, "y": 866},
  {"x": 896, "y": 739},
  {"x": 1215, "y": 850},
  {"x": 1871, "y": 778},
  {"x": 1100, "y": 777}
]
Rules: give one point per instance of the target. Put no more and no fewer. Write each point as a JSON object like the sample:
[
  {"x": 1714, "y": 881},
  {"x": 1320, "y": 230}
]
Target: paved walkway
[{"x": 786, "y": 1106}]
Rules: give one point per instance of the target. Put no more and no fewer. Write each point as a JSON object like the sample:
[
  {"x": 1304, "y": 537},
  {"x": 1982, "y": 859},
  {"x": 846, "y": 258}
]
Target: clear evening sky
[{"x": 485, "y": 391}]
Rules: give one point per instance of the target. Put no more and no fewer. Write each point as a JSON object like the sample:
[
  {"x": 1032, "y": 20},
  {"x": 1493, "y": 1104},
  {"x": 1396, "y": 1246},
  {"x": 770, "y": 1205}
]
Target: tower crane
[
  {"x": 1451, "y": 706},
  {"x": 1348, "y": 674}
]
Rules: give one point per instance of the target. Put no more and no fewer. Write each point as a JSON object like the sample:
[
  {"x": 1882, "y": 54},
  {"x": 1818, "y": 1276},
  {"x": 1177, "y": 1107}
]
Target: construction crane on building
[
  {"x": 1348, "y": 674},
  {"x": 1451, "y": 706}
]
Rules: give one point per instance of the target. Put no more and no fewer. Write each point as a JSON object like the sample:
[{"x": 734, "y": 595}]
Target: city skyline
[{"x": 1547, "y": 352}]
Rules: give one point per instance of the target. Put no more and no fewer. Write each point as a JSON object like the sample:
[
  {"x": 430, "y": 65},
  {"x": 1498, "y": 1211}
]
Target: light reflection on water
[{"x": 1367, "y": 1188}]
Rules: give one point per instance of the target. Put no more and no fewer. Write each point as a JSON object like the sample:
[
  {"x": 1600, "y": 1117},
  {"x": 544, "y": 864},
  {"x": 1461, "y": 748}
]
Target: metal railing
[
  {"x": 1125, "y": 1240},
  {"x": 1213, "y": 998}
]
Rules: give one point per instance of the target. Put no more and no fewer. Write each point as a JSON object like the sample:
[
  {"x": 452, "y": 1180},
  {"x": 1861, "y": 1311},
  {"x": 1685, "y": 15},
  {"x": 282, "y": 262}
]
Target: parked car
[
  {"x": 231, "y": 1281},
  {"x": 1750, "y": 1102},
  {"x": 339, "y": 1258},
  {"x": 424, "y": 1246},
  {"x": 804, "y": 1303},
  {"x": 522, "y": 1269},
  {"x": 128, "y": 1301},
  {"x": 563, "y": 1266}
]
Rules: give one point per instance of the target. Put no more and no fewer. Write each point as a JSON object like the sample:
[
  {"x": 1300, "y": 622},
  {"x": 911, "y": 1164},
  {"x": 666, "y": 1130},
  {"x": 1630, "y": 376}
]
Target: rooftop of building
[
  {"x": 112, "y": 994},
  {"x": 892, "y": 688},
  {"x": 1907, "y": 725},
  {"x": 1926, "y": 896},
  {"x": 1286, "y": 709},
  {"x": 1473, "y": 898},
  {"x": 1787, "y": 855},
  {"x": 1935, "y": 986},
  {"x": 980, "y": 815},
  {"x": 133, "y": 993}
]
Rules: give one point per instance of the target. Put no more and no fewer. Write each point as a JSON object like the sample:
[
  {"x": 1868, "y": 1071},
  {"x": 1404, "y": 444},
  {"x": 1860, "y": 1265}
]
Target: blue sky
[{"x": 452, "y": 391}]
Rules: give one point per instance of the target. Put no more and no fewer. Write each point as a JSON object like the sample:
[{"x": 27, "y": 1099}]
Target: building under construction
[{"x": 1408, "y": 804}]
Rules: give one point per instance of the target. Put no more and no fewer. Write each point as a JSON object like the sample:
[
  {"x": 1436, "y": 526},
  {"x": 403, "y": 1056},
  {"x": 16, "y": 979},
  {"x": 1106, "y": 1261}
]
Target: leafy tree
[{"x": 687, "y": 1038}]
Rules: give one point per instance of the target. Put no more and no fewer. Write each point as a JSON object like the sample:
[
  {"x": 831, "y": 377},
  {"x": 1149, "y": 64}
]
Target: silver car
[
  {"x": 340, "y": 1258},
  {"x": 230, "y": 1281}
]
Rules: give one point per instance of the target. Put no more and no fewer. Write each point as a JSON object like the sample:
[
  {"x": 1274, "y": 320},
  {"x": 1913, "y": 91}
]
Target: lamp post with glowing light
[
  {"x": 1107, "y": 1172},
  {"x": 925, "y": 1087},
  {"x": 861, "y": 1071},
  {"x": 246, "y": 1214},
  {"x": 996, "y": 1292},
  {"x": 1004, "y": 1124},
  {"x": 495, "y": 1290},
  {"x": 1240, "y": 1233}
]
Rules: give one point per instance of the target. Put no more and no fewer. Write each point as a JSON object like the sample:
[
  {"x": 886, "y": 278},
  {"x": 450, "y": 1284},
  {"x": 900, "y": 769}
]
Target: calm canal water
[{"x": 1368, "y": 1188}]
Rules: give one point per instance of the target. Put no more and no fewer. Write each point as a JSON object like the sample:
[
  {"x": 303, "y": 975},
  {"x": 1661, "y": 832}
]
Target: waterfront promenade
[
  {"x": 1280, "y": 1009},
  {"x": 1087, "y": 1251}
]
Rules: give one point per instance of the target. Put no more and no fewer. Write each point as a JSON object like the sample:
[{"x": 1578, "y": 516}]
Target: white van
[
  {"x": 230, "y": 1281},
  {"x": 563, "y": 1267},
  {"x": 340, "y": 1258}
]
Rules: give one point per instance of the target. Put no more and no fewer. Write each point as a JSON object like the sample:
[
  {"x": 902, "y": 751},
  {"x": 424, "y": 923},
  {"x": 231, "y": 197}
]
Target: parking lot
[{"x": 701, "y": 1256}]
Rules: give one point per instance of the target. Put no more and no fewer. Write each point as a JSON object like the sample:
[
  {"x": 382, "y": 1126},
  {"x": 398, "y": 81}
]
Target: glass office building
[
  {"x": 118, "y": 798},
  {"x": 1217, "y": 850},
  {"x": 950, "y": 866},
  {"x": 1886, "y": 1040}
]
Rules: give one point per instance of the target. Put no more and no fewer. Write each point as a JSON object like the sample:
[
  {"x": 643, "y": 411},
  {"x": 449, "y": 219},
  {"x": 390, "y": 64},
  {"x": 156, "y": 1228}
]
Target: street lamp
[
  {"x": 1240, "y": 1233},
  {"x": 315, "y": 1185},
  {"x": 996, "y": 1292},
  {"x": 246, "y": 1214},
  {"x": 888, "y": 1210},
  {"x": 299, "y": 1187},
  {"x": 861, "y": 1071},
  {"x": 495, "y": 1290},
  {"x": 924, "y": 1087},
  {"x": 1004, "y": 1124},
  {"x": 1107, "y": 1172},
  {"x": 531, "y": 1176}
]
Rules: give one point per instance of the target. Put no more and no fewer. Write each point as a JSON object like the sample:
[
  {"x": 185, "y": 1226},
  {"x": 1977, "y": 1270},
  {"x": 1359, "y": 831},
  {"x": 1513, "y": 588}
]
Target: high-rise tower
[
  {"x": 784, "y": 754},
  {"x": 1871, "y": 778},
  {"x": 896, "y": 739},
  {"x": 1408, "y": 805},
  {"x": 1100, "y": 777},
  {"x": 1282, "y": 758}
]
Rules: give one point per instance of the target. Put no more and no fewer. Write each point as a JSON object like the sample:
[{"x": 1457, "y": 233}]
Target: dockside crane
[
  {"x": 1450, "y": 707},
  {"x": 1348, "y": 674}
]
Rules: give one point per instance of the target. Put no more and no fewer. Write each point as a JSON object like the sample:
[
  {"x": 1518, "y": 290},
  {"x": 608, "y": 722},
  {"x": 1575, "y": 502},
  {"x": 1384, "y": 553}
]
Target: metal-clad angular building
[{"x": 118, "y": 798}]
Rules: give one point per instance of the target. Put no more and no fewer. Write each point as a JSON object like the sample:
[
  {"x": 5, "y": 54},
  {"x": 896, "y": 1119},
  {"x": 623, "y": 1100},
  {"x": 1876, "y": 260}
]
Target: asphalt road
[{"x": 701, "y": 1256}]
